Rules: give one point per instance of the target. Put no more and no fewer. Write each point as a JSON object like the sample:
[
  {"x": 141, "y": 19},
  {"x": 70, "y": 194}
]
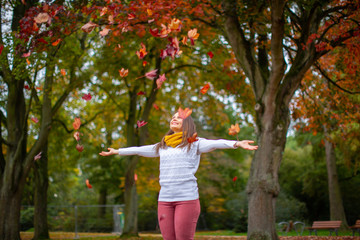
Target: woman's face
[{"x": 176, "y": 123}]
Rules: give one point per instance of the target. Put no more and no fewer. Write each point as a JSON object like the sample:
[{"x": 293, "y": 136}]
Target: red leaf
[
  {"x": 184, "y": 113},
  {"x": 211, "y": 55},
  {"x": 77, "y": 136},
  {"x": 27, "y": 87},
  {"x": 87, "y": 97},
  {"x": 140, "y": 93},
  {"x": 63, "y": 72},
  {"x": 26, "y": 54},
  {"x": 135, "y": 177},
  {"x": 193, "y": 138},
  {"x": 160, "y": 80},
  {"x": 234, "y": 179},
  {"x": 38, "y": 156},
  {"x": 154, "y": 32},
  {"x": 205, "y": 88},
  {"x": 88, "y": 183},
  {"x": 77, "y": 123},
  {"x": 151, "y": 75},
  {"x": 89, "y": 27},
  {"x": 144, "y": 63},
  {"x": 141, "y": 123},
  {"x": 1, "y": 48},
  {"x": 34, "y": 119},
  {"x": 79, "y": 147},
  {"x": 131, "y": 16},
  {"x": 43, "y": 40},
  {"x": 56, "y": 42},
  {"x": 156, "y": 106}
]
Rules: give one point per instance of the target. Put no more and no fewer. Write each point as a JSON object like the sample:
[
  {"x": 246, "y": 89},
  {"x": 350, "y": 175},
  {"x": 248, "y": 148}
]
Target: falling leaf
[
  {"x": 211, "y": 55},
  {"x": 88, "y": 184},
  {"x": 193, "y": 138},
  {"x": 42, "y": 18},
  {"x": 104, "y": 32},
  {"x": 38, "y": 156},
  {"x": 43, "y": 41},
  {"x": 131, "y": 16},
  {"x": 144, "y": 63},
  {"x": 164, "y": 31},
  {"x": 1, "y": 48},
  {"x": 141, "y": 123},
  {"x": 103, "y": 11},
  {"x": 205, "y": 88},
  {"x": 111, "y": 19},
  {"x": 63, "y": 72},
  {"x": 142, "y": 52},
  {"x": 26, "y": 54},
  {"x": 160, "y": 80},
  {"x": 175, "y": 25},
  {"x": 234, "y": 178},
  {"x": 79, "y": 147},
  {"x": 28, "y": 62},
  {"x": 184, "y": 113},
  {"x": 234, "y": 129},
  {"x": 151, "y": 20},
  {"x": 77, "y": 136},
  {"x": 156, "y": 106},
  {"x": 193, "y": 35},
  {"x": 34, "y": 119},
  {"x": 56, "y": 42},
  {"x": 141, "y": 93},
  {"x": 87, "y": 97},
  {"x": 154, "y": 32},
  {"x": 184, "y": 40},
  {"x": 123, "y": 72},
  {"x": 88, "y": 27},
  {"x": 77, "y": 123},
  {"x": 151, "y": 75}
]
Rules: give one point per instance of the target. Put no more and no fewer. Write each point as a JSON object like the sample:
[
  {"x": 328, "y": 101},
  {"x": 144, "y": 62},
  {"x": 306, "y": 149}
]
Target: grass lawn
[{"x": 200, "y": 235}]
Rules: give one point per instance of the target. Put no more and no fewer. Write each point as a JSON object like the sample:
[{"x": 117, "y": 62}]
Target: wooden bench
[
  {"x": 356, "y": 227},
  {"x": 332, "y": 226}
]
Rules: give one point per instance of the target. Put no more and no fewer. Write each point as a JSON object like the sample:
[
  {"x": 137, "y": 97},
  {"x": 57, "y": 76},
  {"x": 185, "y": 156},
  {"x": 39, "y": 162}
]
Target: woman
[{"x": 178, "y": 202}]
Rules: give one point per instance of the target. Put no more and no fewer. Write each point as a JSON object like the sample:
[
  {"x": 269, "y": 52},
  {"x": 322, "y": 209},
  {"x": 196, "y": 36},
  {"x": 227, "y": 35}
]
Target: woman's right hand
[{"x": 110, "y": 152}]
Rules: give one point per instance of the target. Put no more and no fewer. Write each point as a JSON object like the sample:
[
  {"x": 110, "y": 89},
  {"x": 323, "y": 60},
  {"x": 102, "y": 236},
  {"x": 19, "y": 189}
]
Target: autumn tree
[
  {"x": 329, "y": 105},
  {"x": 275, "y": 43},
  {"x": 29, "y": 48}
]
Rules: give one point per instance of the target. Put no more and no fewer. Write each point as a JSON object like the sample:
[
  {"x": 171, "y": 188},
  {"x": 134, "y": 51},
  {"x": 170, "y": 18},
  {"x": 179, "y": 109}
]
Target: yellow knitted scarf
[{"x": 174, "y": 139}]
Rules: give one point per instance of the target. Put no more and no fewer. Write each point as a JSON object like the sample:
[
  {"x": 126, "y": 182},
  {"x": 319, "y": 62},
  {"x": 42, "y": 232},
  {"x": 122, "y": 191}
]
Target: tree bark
[
  {"x": 41, "y": 229},
  {"x": 337, "y": 211}
]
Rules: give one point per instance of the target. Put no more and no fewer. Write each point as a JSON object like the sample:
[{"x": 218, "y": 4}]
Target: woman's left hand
[{"x": 245, "y": 144}]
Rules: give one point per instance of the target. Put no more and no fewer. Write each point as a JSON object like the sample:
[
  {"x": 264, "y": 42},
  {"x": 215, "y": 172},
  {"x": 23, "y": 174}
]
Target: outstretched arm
[
  {"x": 144, "y": 151},
  {"x": 207, "y": 145}
]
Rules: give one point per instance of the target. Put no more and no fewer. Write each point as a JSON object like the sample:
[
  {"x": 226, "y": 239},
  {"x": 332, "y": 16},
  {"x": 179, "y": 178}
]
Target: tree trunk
[
  {"x": 263, "y": 186},
  {"x": 336, "y": 205},
  {"x": 102, "y": 201},
  {"x": 131, "y": 200},
  {"x": 41, "y": 189}
]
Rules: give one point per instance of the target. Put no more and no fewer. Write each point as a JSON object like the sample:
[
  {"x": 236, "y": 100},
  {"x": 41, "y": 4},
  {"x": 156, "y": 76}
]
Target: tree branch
[{"x": 323, "y": 73}]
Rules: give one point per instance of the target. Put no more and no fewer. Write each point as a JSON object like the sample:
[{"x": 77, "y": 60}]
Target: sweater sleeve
[
  {"x": 144, "y": 151},
  {"x": 208, "y": 145}
]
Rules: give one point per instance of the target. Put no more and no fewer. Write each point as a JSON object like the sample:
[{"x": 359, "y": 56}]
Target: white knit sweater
[{"x": 178, "y": 166}]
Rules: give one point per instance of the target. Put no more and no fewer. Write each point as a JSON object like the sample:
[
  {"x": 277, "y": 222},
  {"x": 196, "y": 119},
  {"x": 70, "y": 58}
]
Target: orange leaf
[
  {"x": 63, "y": 72},
  {"x": 234, "y": 129},
  {"x": 184, "y": 113},
  {"x": 28, "y": 62},
  {"x": 56, "y": 42},
  {"x": 193, "y": 138},
  {"x": 88, "y": 183},
  {"x": 205, "y": 88},
  {"x": 123, "y": 72},
  {"x": 149, "y": 12},
  {"x": 77, "y": 123}
]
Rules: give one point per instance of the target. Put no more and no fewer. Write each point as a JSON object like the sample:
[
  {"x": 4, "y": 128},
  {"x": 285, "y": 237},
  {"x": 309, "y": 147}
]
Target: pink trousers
[{"x": 177, "y": 220}]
